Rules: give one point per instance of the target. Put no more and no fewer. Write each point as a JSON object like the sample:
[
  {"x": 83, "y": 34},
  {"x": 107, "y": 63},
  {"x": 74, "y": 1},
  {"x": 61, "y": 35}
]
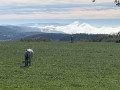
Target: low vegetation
[{"x": 60, "y": 66}]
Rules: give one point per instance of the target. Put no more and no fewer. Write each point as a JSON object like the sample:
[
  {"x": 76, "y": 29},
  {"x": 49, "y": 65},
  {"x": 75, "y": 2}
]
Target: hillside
[{"x": 13, "y": 33}]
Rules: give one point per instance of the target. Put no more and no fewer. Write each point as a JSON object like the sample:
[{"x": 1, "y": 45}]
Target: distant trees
[
  {"x": 106, "y": 38},
  {"x": 34, "y": 40},
  {"x": 77, "y": 37}
]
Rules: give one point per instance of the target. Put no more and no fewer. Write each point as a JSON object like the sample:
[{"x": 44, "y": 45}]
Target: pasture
[{"x": 60, "y": 66}]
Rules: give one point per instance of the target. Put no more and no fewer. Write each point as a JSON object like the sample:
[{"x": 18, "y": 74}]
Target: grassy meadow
[{"x": 60, "y": 66}]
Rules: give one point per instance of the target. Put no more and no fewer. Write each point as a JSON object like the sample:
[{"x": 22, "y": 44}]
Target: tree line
[
  {"x": 77, "y": 37},
  {"x": 105, "y": 38},
  {"x": 34, "y": 40}
]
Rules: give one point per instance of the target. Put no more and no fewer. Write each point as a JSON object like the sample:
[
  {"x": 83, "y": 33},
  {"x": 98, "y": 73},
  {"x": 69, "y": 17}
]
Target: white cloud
[
  {"x": 48, "y": 2},
  {"x": 73, "y": 13},
  {"x": 76, "y": 27},
  {"x": 57, "y": 9}
]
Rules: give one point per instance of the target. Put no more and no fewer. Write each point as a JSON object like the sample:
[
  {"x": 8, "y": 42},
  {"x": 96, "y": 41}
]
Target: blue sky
[{"x": 14, "y": 11}]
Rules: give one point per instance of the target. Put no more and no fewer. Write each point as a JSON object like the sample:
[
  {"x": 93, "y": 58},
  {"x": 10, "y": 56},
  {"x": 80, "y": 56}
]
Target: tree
[
  {"x": 117, "y": 2},
  {"x": 93, "y": 0}
]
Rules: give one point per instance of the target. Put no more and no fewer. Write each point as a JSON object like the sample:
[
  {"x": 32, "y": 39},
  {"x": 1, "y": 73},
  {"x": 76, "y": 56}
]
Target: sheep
[{"x": 28, "y": 56}]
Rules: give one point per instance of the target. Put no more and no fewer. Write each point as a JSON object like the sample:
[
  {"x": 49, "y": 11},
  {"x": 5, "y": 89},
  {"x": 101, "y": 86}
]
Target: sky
[
  {"x": 100, "y": 15},
  {"x": 58, "y": 9}
]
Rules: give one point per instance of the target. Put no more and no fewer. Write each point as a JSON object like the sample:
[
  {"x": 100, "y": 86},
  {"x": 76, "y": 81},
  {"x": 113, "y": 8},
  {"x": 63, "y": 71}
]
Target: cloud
[
  {"x": 48, "y": 2},
  {"x": 77, "y": 27},
  {"x": 58, "y": 9},
  {"x": 72, "y": 13}
]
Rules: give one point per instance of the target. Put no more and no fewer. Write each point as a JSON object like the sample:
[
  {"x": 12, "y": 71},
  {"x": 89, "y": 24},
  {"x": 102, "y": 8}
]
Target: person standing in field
[
  {"x": 28, "y": 56},
  {"x": 72, "y": 39}
]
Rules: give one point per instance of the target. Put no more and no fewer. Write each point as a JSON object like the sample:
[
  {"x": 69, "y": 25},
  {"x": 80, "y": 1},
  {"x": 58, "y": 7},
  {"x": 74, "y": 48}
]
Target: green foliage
[
  {"x": 117, "y": 2},
  {"x": 60, "y": 66},
  {"x": 104, "y": 38}
]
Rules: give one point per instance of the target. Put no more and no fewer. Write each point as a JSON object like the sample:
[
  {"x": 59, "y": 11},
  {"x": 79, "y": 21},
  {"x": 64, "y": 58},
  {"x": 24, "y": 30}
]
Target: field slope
[{"x": 60, "y": 66}]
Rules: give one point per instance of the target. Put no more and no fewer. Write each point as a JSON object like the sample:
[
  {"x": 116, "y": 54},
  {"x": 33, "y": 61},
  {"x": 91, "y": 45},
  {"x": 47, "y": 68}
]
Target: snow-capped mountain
[{"x": 76, "y": 27}]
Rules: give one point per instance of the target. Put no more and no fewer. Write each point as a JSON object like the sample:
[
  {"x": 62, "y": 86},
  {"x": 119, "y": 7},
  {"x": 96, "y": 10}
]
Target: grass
[{"x": 60, "y": 66}]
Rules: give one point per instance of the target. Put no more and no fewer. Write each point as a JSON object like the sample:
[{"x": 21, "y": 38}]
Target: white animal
[{"x": 28, "y": 56}]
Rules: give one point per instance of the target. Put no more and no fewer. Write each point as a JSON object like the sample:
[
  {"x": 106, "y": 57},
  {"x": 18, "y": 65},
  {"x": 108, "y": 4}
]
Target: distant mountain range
[
  {"x": 13, "y": 33},
  {"x": 52, "y": 31}
]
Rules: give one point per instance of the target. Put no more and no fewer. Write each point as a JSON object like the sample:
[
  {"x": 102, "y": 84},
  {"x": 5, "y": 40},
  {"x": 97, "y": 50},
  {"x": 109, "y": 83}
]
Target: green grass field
[{"x": 60, "y": 66}]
